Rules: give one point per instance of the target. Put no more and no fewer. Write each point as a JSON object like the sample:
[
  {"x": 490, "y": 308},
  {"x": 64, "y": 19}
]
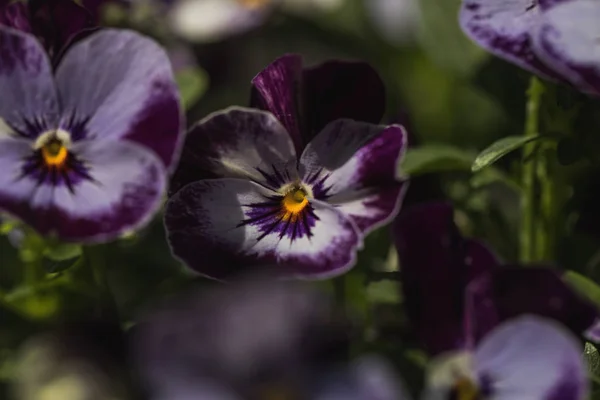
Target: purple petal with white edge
[
  {"x": 572, "y": 48},
  {"x": 219, "y": 227},
  {"x": 119, "y": 84},
  {"x": 341, "y": 89},
  {"x": 29, "y": 104},
  {"x": 368, "y": 378},
  {"x": 531, "y": 358},
  {"x": 503, "y": 28},
  {"x": 512, "y": 291},
  {"x": 124, "y": 189},
  {"x": 353, "y": 165},
  {"x": 237, "y": 143},
  {"x": 437, "y": 264},
  {"x": 277, "y": 89}
]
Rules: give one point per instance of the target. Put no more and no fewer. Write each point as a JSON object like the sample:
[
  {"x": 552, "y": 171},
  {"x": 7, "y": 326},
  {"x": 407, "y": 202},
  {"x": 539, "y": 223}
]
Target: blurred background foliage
[{"x": 454, "y": 98}]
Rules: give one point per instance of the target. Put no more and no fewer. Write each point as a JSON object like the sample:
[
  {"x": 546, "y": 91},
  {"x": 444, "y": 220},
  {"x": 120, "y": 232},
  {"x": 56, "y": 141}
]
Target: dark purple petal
[
  {"x": 123, "y": 189},
  {"x": 572, "y": 48},
  {"x": 121, "y": 83},
  {"x": 222, "y": 226},
  {"x": 29, "y": 105},
  {"x": 512, "y": 291},
  {"x": 277, "y": 89},
  {"x": 504, "y": 29},
  {"x": 353, "y": 165},
  {"x": 437, "y": 264},
  {"x": 237, "y": 143},
  {"x": 532, "y": 358},
  {"x": 341, "y": 89},
  {"x": 15, "y": 14}
]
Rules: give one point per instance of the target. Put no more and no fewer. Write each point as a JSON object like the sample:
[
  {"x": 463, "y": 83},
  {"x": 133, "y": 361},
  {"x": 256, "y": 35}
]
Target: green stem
[
  {"x": 528, "y": 252},
  {"x": 96, "y": 266}
]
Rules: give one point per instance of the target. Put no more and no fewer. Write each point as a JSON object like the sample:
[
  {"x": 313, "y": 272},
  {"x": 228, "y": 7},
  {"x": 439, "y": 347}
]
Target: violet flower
[
  {"x": 555, "y": 39},
  {"x": 85, "y": 150},
  {"x": 255, "y": 340},
  {"x": 456, "y": 291},
  {"x": 296, "y": 187}
]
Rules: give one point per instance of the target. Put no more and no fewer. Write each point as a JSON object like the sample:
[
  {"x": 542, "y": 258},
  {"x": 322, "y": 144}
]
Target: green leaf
[
  {"x": 499, "y": 149},
  {"x": 63, "y": 251},
  {"x": 436, "y": 158},
  {"x": 192, "y": 83},
  {"x": 583, "y": 285}
]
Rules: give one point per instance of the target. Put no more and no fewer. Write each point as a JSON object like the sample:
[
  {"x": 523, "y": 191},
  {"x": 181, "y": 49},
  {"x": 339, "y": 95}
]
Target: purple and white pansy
[
  {"x": 555, "y": 39},
  {"x": 85, "y": 148},
  {"x": 294, "y": 191}
]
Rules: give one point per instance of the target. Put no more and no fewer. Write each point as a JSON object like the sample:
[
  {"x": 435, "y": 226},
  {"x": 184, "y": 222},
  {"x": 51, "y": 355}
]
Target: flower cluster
[{"x": 555, "y": 39}]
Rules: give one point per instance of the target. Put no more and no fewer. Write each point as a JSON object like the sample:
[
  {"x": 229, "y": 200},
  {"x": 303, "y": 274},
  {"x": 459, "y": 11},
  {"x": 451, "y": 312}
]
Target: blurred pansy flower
[
  {"x": 85, "y": 150},
  {"x": 254, "y": 340},
  {"x": 540, "y": 36},
  {"x": 297, "y": 186},
  {"x": 56, "y": 23},
  {"x": 456, "y": 292},
  {"x": 527, "y": 357},
  {"x": 396, "y": 20}
]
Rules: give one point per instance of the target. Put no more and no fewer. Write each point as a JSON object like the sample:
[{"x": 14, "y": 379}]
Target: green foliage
[{"x": 192, "y": 83}]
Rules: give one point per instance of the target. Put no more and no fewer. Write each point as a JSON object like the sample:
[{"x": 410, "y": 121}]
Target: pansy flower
[
  {"x": 255, "y": 340},
  {"x": 296, "y": 187},
  {"x": 85, "y": 149},
  {"x": 540, "y": 36},
  {"x": 456, "y": 291}
]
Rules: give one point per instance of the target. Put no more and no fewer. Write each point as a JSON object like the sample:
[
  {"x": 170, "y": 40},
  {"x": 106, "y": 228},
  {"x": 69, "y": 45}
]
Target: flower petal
[
  {"x": 237, "y": 143},
  {"x": 531, "y": 358},
  {"x": 222, "y": 226},
  {"x": 353, "y": 166},
  {"x": 276, "y": 89},
  {"x": 120, "y": 85},
  {"x": 341, "y": 89},
  {"x": 29, "y": 104},
  {"x": 512, "y": 291},
  {"x": 503, "y": 28},
  {"x": 15, "y": 15},
  {"x": 437, "y": 265},
  {"x": 572, "y": 48},
  {"x": 126, "y": 190}
]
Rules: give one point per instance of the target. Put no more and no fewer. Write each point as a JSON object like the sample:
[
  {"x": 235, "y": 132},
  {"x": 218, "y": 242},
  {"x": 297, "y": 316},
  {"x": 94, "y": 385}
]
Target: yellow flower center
[
  {"x": 254, "y": 4},
  {"x": 294, "y": 201},
  {"x": 466, "y": 390},
  {"x": 54, "y": 153}
]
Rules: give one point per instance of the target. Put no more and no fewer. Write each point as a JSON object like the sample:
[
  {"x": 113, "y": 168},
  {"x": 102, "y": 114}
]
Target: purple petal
[
  {"x": 222, "y": 226},
  {"x": 29, "y": 104},
  {"x": 237, "y": 143},
  {"x": 276, "y": 89},
  {"x": 15, "y": 15},
  {"x": 341, "y": 89},
  {"x": 504, "y": 28},
  {"x": 437, "y": 264},
  {"x": 572, "y": 48},
  {"x": 531, "y": 358},
  {"x": 125, "y": 189},
  {"x": 509, "y": 292},
  {"x": 353, "y": 166},
  {"x": 121, "y": 84}
]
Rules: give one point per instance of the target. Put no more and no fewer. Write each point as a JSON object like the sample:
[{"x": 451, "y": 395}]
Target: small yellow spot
[
  {"x": 254, "y": 4},
  {"x": 294, "y": 202},
  {"x": 466, "y": 390},
  {"x": 54, "y": 153}
]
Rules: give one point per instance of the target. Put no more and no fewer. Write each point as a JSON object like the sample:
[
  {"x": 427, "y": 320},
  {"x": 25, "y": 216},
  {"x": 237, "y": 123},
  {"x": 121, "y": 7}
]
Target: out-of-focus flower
[
  {"x": 540, "y": 36},
  {"x": 56, "y": 23},
  {"x": 456, "y": 292},
  {"x": 254, "y": 340},
  {"x": 84, "y": 151},
  {"x": 528, "y": 357},
  {"x": 396, "y": 20},
  {"x": 296, "y": 188}
]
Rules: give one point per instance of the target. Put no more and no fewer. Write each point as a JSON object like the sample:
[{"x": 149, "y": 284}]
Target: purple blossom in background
[
  {"x": 555, "y": 39},
  {"x": 296, "y": 190},
  {"x": 255, "y": 340},
  {"x": 456, "y": 291},
  {"x": 85, "y": 150}
]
